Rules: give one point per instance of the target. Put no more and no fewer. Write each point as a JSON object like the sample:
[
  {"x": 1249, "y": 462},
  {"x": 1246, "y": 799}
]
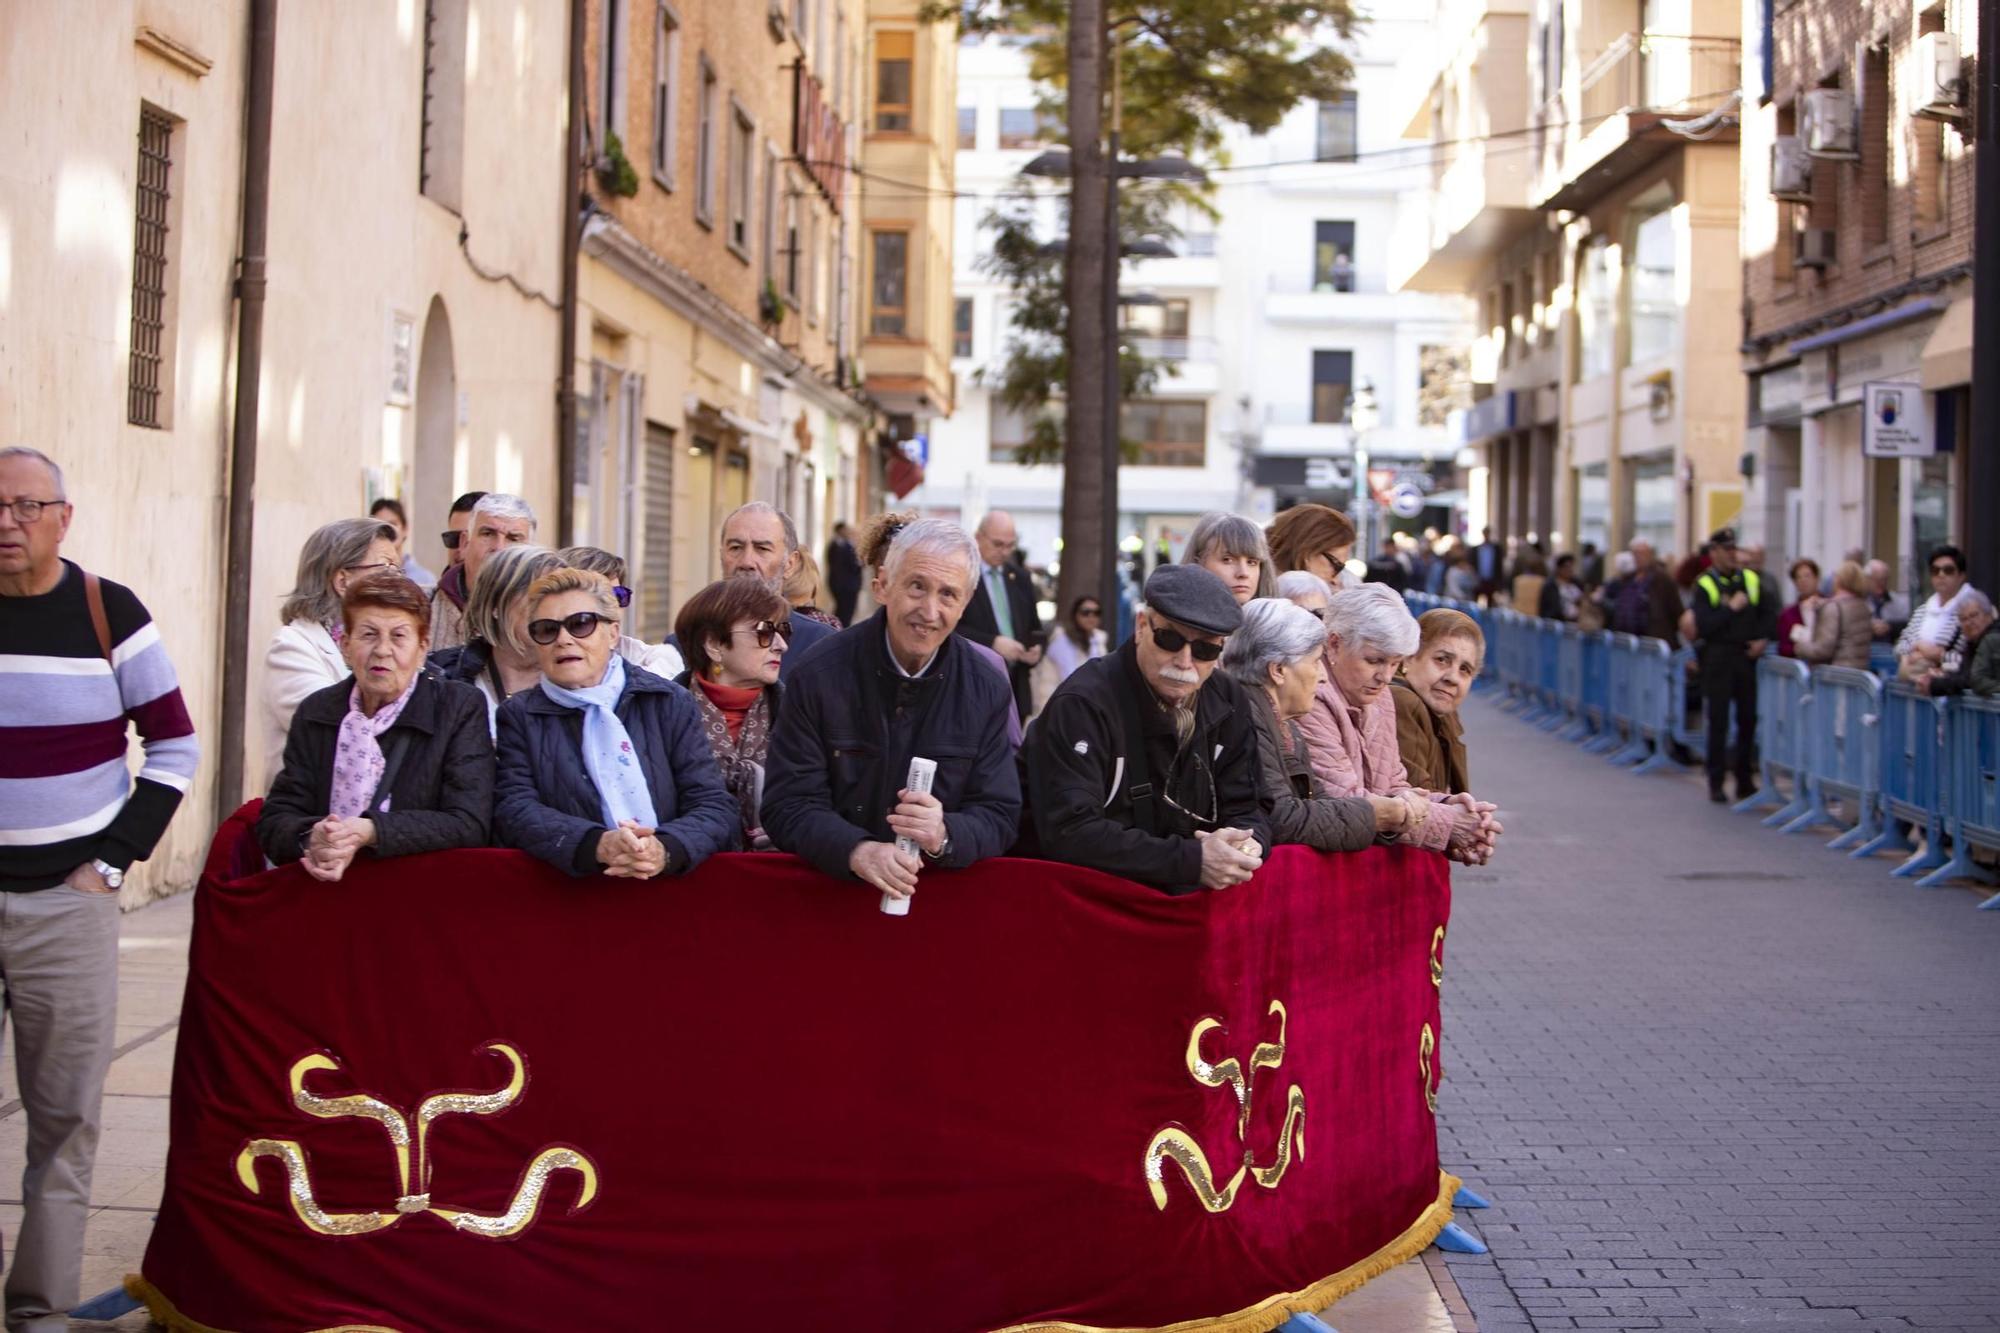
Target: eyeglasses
[
  {"x": 371, "y": 567},
  {"x": 767, "y": 630},
  {"x": 622, "y": 593},
  {"x": 1082, "y": 611},
  {"x": 1172, "y": 641},
  {"x": 452, "y": 538},
  {"x": 27, "y": 511},
  {"x": 580, "y": 626},
  {"x": 1935, "y": 569}
]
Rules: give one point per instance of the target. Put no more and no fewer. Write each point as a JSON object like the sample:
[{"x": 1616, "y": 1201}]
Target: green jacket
[{"x": 1981, "y": 675}]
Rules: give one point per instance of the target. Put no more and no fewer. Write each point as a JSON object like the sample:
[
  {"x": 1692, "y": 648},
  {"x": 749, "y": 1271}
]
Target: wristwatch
[
  {"x": 944, "y": 849},
  {"x": 112, "y": 876}
]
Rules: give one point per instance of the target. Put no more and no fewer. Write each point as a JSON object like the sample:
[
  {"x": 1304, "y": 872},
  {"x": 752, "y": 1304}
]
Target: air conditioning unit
[
  {"x": 1831, "y": 125},
  {"x": 1812, "y": 247},
  {"x": 1791, "y": 170},
  {"x": 1940, "y": 80}
]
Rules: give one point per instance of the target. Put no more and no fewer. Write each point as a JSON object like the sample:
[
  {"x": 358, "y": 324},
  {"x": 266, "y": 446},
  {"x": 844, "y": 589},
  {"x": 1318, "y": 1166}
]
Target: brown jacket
[
  {"x": 1842, "y": 633},
  {"x": 1433, "y": 744}
]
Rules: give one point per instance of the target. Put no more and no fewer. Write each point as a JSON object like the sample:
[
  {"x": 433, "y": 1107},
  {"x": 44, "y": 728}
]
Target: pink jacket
[{"x": 1354, "y": 753}]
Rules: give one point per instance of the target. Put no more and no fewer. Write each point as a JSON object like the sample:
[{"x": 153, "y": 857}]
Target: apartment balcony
[
  {"x": 1304, "y": 300},
  {"x": 1607, "y": 125},
  {"x": 1191, "y": 365},
  {"x": 1194, "y": 265}
]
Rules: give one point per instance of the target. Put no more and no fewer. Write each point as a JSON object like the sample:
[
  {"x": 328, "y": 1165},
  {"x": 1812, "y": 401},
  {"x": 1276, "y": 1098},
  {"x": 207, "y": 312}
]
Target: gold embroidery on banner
[
  {"x": 1175, "y": 1144},
  {"x": 1426, "y": 1046},
  {"x": 1437, "y": 958},
  {"x": 520, "y": 1214}
]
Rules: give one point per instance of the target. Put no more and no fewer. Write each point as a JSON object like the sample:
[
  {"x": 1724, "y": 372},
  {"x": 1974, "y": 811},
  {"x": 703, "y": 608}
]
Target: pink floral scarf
[{"x": 358, "y": 762}]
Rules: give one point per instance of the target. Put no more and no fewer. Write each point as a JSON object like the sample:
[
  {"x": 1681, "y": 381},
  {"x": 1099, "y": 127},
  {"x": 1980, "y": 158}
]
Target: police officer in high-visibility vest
[{"x": 1735, "y": 616}]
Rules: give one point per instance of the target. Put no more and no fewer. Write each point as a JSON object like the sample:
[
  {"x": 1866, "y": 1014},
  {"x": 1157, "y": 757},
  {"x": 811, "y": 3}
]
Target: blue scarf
[{"x": 607, "y": 748}]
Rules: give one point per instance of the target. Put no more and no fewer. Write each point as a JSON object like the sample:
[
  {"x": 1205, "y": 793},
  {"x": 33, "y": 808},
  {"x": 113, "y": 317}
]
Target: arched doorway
[{"x": 432, "y": 479}]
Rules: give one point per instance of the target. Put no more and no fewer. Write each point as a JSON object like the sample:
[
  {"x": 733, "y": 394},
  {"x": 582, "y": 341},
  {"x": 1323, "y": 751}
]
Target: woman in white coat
[{"x": 304, "y": 655}]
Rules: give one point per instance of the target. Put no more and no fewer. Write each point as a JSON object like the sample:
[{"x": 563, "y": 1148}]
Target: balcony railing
[
  {"x": 1171, "y": 349},
  {"x": 1644, "y": 71}
]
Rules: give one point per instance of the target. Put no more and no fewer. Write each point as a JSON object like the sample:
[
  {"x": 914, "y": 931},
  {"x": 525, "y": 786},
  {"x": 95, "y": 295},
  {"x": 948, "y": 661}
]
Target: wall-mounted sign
[
  {"x": 819, "y": 139},
  {"x": 1896, "y": 420}
]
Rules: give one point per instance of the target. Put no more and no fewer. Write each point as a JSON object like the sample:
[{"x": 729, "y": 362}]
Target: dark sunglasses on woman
[
  {"x": 767, "y": 630},
  {"x": 1172, "y": 641},
  {"x": 580, "y": 626},
  {"x": 1082, "y": 611}
]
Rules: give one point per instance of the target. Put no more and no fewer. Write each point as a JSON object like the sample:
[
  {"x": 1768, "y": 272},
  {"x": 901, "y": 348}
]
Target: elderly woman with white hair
[
  {"x": 1350, "y": 731},
  {"x": 1308, "y": 592},
  {"x": 1278, "y": 658},
  {"x": 1232, "y": 548}
]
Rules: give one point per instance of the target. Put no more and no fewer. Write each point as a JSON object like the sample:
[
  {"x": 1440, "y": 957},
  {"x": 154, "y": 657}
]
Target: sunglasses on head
[
  {"x": 451, "y": 539},
  {"x": 622, "y": 593},
  {"x": 767, "y": 630},
  {"x": 580, "y": 626},
  {"x": 1172, "y": 641}
]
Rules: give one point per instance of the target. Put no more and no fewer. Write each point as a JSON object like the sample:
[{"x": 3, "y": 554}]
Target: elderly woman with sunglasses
[
  {"x": 738, "y": 630},
  {"x": 662, "y": 659},
  {"x": 1350, "y": 731},
  {"x": 305, "y": 654},
  {"x": 602, "y": 766}
]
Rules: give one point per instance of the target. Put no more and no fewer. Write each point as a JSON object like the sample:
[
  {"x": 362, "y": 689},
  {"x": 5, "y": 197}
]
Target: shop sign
[{"x": 1896, "y": 420}]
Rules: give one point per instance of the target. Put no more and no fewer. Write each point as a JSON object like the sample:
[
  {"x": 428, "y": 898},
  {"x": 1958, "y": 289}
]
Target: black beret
[{"x": 1192, "y": 596}]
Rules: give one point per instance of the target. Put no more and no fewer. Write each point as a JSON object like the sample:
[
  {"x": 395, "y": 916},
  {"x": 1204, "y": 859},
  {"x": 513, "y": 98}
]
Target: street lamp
[{"x": 1363, "y": 415}]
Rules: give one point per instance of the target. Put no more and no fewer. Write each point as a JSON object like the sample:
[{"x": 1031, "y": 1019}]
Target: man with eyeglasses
[
  {"x": 494, "y": 521},
  {"x": 1735, "y": 615},
  {"x": 81, "y": 664},
  {"x": 1144, "y": 763}
]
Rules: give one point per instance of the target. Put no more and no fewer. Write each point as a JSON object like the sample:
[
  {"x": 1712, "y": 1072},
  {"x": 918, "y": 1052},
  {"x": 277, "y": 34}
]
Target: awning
[
  {"x": 763, "y": 430},
  {"x": 1948, "y": 355},
  {"x": 1875, "y": 323},
  {"x": 900, "y": 472}
]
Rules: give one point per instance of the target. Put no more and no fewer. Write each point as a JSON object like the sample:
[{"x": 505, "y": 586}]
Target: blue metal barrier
[
  {"x": 1844, "y": 754},
  {"x": 1912, "y": 778},
  {"x": 1595, "y": 716},
  {"x": 1652, "y": 704},
  {"x": 1882, "y": 659},
  {"x": 1972, "y": 794},
  {"x": 1548, "y": 674},
  {"x": 1621, "y": 663},
  {"x": 1569, "y": 682},
  {"x": 1784, "y": 694},
  {"x": 1686, "y": 732}
]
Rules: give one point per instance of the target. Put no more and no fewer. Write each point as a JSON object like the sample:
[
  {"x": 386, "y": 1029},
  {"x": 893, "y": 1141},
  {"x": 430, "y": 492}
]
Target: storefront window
[
  {"x": 1596, "y": 313},
  {"x": 1593, "y": 506},
  {"x": 1653, "y": 288},
  {"x": 1653, "y": 502}
]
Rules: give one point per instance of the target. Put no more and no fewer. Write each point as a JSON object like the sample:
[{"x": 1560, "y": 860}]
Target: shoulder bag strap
[
  {"x": 1138, "y": 775},
  {"x": 392, "y": 764},
  {"x": 93, "y": 593}
]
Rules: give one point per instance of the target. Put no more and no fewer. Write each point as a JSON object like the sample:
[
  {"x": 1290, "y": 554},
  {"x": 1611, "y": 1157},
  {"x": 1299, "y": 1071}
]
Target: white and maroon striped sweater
[{"x": 66, "y": 791}]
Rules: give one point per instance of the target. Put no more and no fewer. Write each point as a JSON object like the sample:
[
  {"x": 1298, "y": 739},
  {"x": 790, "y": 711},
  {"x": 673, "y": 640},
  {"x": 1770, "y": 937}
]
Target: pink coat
[{"x": 1354, "y": 753}]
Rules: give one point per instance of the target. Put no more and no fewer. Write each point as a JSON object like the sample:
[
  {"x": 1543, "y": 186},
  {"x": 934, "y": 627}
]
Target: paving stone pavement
[{"x": 1712, "y": 1077}]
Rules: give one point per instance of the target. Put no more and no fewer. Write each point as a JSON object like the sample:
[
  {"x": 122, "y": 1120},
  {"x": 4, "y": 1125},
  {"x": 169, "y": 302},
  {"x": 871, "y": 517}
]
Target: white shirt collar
[{"x": 896, "y": 662}]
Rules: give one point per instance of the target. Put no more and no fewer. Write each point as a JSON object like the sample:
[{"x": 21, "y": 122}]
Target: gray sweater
[{"x": 1290, "y": 794}]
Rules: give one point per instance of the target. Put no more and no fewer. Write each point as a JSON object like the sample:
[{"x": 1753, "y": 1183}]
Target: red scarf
[{"x": 732, "y": 702}]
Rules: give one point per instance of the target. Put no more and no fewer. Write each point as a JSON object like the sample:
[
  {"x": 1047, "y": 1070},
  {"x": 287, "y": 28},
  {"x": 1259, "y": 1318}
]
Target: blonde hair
[
  {"x": 560, "y": 581},
  {"x": 802, "y": 587},
  {"x": 1851, "y": 577},
  {"x": 506, "y": 577},
  {"x": 1444, "y": 623}
]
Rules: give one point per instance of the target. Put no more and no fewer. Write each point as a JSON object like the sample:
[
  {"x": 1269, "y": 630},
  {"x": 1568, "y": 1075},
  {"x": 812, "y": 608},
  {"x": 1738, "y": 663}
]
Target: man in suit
[
  {"x": 1488, "y": 563},
  {"x": 843, "y": 573},
  {"x": 1001, "y": 613}
]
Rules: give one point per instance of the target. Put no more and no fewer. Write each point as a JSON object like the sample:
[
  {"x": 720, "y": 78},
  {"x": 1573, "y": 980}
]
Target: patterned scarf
[
  {"x": 740, "y": 756},
  {"x": 607, "y": 748},
  {"x": 358, "y": 762}
]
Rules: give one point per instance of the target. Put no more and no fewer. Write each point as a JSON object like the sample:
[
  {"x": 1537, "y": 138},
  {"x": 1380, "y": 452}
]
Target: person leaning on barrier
[
  {"x": 1735, "y": 616},
  {"x": 602, "y": 767},
  {"x": 1840, "y": 634},
  {"x": 1277, "y": 657},
  {"x": 1890, "y": 609},
  {"x": 1979, "y": 672},
  {"x": 1350, "y": 731},
  {"x": 497, "y": 657},
  {"x": 739, "y": 631},
  {"x": 662, "y": 659},
  {"x": 304, "y": 654},
  {"x": 1648, "y": 601},
  {"x": 496, "y": 522},
  {"x": 1432, "y": 684},
  {"x": 1796, "y": 622},
  {"x": 388, "y": 760},
  {"x": 1144, "y": 763},
  {"x": 898, "y": 686},
  {"x": 1932, "y": 642}
]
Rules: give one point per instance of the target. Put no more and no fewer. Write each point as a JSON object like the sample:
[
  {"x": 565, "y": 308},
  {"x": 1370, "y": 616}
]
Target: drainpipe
[
  {"x": 571, "y": 234},
  {"x": 243, "y": 434}
]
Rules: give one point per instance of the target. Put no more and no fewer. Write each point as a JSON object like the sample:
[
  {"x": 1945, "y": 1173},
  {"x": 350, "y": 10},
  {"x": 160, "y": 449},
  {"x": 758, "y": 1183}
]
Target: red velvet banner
[{"x": 464, "y": 1091}]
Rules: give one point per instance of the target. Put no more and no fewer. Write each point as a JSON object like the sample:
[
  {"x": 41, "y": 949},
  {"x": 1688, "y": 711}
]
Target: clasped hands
[
  {"x": 918, "y": 816},
  {"x": 1229, "y": 856},
  {"x": 631, "y": 851},
  {"x": 1474, "y": 830},
  {"x": 333, "y": 844}
]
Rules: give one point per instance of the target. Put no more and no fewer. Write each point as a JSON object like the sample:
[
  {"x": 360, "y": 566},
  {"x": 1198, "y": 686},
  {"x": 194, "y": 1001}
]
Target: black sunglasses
[
  {"x": 1944, "y": 569},
  {"x": 580, "y": 626},
  {"x": 1090, "y": 610},
  {"x": 451, "y": 539},
  {"x": 622, "y": 593},
  {"x": 767, "y": 630},
  {"x": 1172, "y": 641}
]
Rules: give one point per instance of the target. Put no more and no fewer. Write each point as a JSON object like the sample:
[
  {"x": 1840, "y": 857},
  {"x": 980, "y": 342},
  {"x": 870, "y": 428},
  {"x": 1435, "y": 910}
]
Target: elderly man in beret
[{"x": 1144, "y": 763}]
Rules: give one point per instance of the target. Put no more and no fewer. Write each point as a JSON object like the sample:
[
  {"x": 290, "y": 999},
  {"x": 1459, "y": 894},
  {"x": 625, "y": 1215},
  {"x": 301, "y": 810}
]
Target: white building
[{"x": 1266, "y": 328}]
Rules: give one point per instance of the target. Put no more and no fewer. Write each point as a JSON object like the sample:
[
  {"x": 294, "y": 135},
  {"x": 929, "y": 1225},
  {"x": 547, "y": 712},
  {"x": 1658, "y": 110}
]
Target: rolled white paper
[{"x": 922, "y": 771}]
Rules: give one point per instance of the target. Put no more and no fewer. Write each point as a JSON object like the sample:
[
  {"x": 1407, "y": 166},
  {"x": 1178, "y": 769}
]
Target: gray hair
[
  {"x": 1236, "y": 535},
  {"x": 503, "y": 581},
  {"x": 1373, "y": 616},
  {"x": 1624, "y": 564},
  {"x": 1296, "y": 583},
  {"x": 764, "y": 507},
  {"x": 595, "y": 559},
  {"x": 1974, "y": 600},
  {"x": 934, "y": 537},
  {"x": 23, "y": 451},
  {"x": 1876, "y": 569},
  {"x": 501, "y": 505},
  {"x": 339, "y": 545},
  {"x": 1274, "y": 632}
]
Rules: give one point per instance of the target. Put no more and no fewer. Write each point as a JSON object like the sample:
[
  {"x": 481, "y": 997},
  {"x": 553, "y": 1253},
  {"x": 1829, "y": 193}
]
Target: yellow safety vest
[{"x": 1714, "y": 589}]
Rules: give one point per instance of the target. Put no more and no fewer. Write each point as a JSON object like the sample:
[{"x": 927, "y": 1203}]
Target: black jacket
[
  {"x": 547, "y": 805},
  {"x": 982, "y": 625},
  {"x": 1078, "y": 760},
  {"x": 438, "y": 777},
  {"x": 843, "y": 569},
  {"x": 847, "y": 729},
  {"x": 1723, "y": 631}
]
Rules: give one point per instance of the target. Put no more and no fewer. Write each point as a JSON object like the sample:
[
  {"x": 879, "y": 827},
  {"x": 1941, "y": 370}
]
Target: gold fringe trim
[
  {"x": 164, "y": 1313},
  {"x": 1262, "y": 1317},
  {"x": 1268, "y": 1314}
]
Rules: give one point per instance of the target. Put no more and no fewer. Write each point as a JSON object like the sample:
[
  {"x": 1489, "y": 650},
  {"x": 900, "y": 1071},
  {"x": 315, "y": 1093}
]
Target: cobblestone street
[{"x": 1711, "y": 1077}]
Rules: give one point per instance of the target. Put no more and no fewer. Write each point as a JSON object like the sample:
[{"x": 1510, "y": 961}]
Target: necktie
[{"x": 1003, "y": 614}]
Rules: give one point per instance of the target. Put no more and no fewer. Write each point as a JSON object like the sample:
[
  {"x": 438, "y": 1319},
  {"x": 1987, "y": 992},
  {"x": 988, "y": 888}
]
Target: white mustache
[{"x": 1180, "y": 674}]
